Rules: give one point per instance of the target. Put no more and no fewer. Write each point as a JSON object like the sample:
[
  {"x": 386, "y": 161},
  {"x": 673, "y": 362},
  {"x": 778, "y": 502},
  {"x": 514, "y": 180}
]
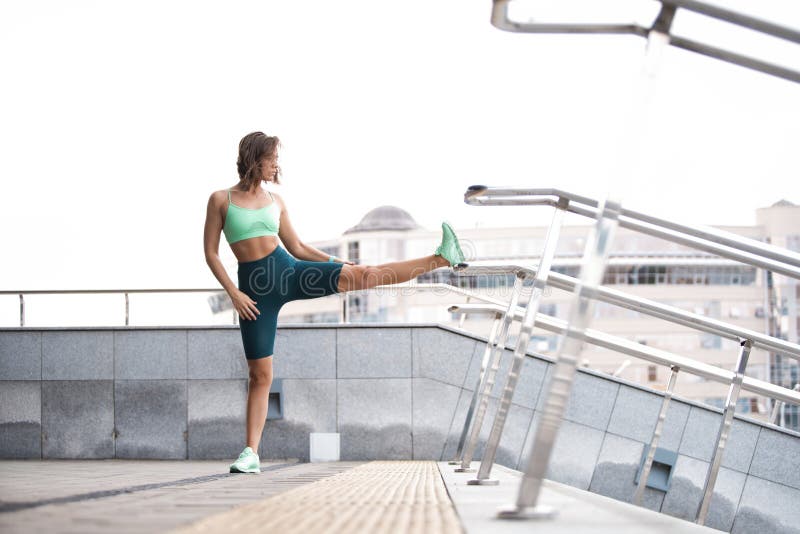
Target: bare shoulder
[
  {"x": 279, "y": 200},
  {"x": 217, "y": 198}
]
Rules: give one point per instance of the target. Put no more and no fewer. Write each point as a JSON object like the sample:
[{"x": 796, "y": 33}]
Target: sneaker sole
[{"x": 237, "y": 470}]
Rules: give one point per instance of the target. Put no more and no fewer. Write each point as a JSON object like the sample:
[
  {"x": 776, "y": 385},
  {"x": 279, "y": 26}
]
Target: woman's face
[{"x": 269, "y": 166}]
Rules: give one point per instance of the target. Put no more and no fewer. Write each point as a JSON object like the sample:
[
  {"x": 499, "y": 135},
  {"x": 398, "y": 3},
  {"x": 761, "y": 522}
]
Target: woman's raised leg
[{"x": 354, "y": 277}]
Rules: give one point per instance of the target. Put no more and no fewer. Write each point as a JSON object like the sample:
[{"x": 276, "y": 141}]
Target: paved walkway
[
  {"x": 189, "y": 497},
  {"x": 121, "y": 496},
  {"x": 398, "y": 497}
]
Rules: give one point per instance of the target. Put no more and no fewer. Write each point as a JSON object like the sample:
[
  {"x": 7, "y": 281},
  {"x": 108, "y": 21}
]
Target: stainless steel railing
[
  {"x": 575, "y": 331},
  {"x": 662, "y": 25}
]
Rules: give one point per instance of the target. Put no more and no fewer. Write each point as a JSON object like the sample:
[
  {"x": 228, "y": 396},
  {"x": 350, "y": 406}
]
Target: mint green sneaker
[
  {"x": 247, "y": 462},
  {"x": 449, "y": 249}
]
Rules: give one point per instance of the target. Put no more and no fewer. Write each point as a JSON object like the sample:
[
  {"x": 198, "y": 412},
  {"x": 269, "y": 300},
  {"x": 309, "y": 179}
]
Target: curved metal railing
[{"x": 576, "y": 331}]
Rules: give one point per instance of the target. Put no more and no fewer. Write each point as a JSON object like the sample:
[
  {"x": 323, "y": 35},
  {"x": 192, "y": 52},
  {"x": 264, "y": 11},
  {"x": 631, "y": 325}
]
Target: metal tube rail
[
  {"x": 487, "y": 353},
  {"x": 649, "y": 307},
  {"x": 651, "y": 452},
  {"x": 714, "y": 241},
  {"x": 488, "y": 381},
  {"x": 531, "y": 309},
  {"x": 645, "y": 352},
  {"x": 774, "y": 417},
  {"x": 724, "y": 431},
  {"x": 344, "y": 312},
  {"x": 499, "y": 19}
]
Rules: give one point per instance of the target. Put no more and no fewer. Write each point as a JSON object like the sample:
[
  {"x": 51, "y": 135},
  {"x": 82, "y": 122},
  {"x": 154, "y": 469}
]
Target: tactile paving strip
[{"x": 376, "y": 497}]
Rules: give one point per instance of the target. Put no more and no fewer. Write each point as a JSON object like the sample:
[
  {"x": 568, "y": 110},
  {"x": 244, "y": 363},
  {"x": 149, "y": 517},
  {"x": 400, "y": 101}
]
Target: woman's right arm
[{"x": 244, "y": 305}]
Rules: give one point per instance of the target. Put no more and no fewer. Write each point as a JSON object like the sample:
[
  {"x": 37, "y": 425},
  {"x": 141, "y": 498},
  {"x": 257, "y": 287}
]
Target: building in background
[{"x": 640, "y": 265}]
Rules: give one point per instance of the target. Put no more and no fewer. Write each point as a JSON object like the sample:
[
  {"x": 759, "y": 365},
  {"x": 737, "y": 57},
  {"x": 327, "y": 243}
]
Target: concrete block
[
  {"x": 515, "y": 431},
  {"x": 304, "y": 353},
  {"x": 434, "y": 405},
  {"x": 777, "y": 458},
  {"x": 78, "y": 355},
  {"x": 767, "y": 507},
  {"x": 150, "y": 419},
  {"x": 512, "y": 439},
  {"x": 389, "y": 352},
  {"x": 20, "y": 419},
  {"x": 20, "y": 355},
  {"x": 150, "y": 354},
  {"x": 591, "y": 399},
  {"x": 442, "y": 355},
  {"x": 700, "y": 439},
  {"x": 217, "y": 412},
  {"x": 616, "y": 470},
  {"x": 575, "y": 455},
  {"x": 324, "y": 447},
  {"x": 531, "y": 380},
  {"x": 308, "y": 406},
  {"x": 458, "y": 425},
  {"x": 635, "y": 415},
  {"x": 686, "y": 492},
  {"x": 375, "y": 419},
  {"x": 217, "y": 354},
  {"x": 77, "y": 419}
]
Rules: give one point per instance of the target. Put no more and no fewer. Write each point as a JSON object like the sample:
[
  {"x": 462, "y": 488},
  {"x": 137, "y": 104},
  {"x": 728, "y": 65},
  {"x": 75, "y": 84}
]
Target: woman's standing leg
[{"x": 258, "y": 399}]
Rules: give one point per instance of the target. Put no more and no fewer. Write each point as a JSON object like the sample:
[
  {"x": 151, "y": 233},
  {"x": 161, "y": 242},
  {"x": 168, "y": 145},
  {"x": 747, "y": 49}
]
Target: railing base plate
[
  {"x": 536, "y": 512},
  {"x": 483, "y": 482}
]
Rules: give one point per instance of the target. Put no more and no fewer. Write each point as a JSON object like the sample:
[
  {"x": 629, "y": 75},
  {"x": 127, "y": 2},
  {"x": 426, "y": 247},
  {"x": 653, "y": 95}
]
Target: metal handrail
[
  {"x": 717, "y": 242},
  {"x": 644, "y": 352},
  {"x": 343, "y": 316},
  {"x": 648, "y": 307},
  {"x": 575, "y": 331},
  {"x": 661, "y": 25}
]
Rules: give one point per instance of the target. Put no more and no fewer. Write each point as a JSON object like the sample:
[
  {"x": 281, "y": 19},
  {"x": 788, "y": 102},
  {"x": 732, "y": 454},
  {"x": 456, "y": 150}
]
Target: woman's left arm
[{"x": 293, "y": 244}]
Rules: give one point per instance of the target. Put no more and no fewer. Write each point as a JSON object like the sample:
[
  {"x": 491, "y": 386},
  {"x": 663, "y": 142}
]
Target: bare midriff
[{"x": 254, "y": 248}]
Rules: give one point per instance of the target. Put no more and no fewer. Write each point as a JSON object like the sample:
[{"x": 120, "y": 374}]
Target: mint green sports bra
[{"x": 244, "y": 223}]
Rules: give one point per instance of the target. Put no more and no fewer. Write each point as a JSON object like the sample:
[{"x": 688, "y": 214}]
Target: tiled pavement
[
  {"x": 126, "y": 496},
  {"x": 121, "y": 496}
]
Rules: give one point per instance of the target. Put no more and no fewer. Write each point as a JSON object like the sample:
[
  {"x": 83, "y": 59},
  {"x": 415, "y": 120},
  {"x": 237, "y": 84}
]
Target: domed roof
[{"x": 385, "y": 218}]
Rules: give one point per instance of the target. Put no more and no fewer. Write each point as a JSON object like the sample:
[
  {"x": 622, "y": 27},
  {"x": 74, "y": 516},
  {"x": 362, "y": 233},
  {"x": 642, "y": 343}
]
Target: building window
[
  {"x": 710, "y": 341},
  {"x": 352, "y": 252},
  {"x": 652, "y": 373}
]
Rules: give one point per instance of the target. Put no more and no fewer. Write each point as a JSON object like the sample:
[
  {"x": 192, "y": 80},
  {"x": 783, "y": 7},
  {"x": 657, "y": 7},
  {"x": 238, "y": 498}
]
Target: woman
[{"x": 252, "y": 220}]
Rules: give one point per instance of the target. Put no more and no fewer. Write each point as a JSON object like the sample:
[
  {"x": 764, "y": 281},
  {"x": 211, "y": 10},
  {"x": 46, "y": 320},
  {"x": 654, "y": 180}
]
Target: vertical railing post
[
  {"x": 127, "y": 309},
  {"x": 497, "y": 351},
  {"x": 478, "y": 387},
  {"x": 463, "y": 316},
  {"x": 651, "y": 453},
  {"x": 21, "y": 310},
  {"x": 557, "y": 391},
  {"x": 775, "y": 417},
  {"x": 521, "y": 349},
  {"x": 724, "y": 430}
]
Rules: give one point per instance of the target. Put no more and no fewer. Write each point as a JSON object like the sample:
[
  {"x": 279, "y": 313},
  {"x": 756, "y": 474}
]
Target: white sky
[{"x": 118, "y": 119}]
